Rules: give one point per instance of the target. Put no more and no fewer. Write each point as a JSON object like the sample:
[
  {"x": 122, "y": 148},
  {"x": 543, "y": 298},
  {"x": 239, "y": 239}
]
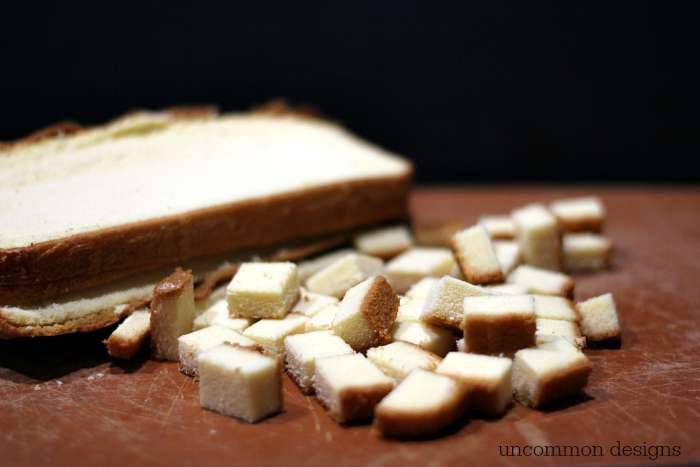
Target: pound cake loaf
[{"x": 87, "y": 209}]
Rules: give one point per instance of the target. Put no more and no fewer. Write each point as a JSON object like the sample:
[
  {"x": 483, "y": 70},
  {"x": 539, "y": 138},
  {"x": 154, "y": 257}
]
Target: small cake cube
[
  {"x": 399, "y": 358},
  {"x": 310, "y": 267},
  {"x": 385, "y": 242},
  {"x": 172, "y": 314},
  {"x": 568, "y": 330},
  {"x": 130, "y": 335},
  {"x": 410, "y": 309},
  {"x": 499, "y": 323},
  {"x": 553, "y": 307},
  {"x": 366, "y": 314},
  {"x": 486, "y": 379},
  {"x": 416, "y": 263},
  {"x": 189, "y": 345},
  {"x": 240, "y": 382},
  {"x": 218, "y": 309},
  {"x": 302, "y": 351},
  {"x": 311, "y": 303},
  {"x": 538, "y": 235},
  {"x": 476, "y": 256},
  {"x": 323, "y": 320},
  {"x": 556, "y": 343},
  {"x": 431, "y": 338},
  {"x": 507, "y": 289},
  {"x": 422, "y": 288},
  {"x": 445, "y": 303},
  {"x": 579, "y": 214},
  {"x": 498, "y": 227},
  {"x": 599, "y": 319},
  {"x": 508, "y": 254},
  {"x": 541, "y": 376},
  {"x": 344, "y": 273},
  {"x": 349, "y": 387},
  {"x": 263, "y": 290},
  {"x": 423, "y": 404},
  {"x": 542, "y": 281},
  {"x": 586, "y": 252},
  {"x": 270, "y": 333}
]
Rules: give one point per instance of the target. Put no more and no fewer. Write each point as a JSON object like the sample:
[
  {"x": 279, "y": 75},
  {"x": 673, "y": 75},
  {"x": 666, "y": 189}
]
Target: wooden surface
[{"x": 64, "y": 402}]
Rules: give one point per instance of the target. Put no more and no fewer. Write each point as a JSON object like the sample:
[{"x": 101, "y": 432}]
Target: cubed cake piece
[
  {"x": 553, "y": 307},
  {"x": 422, "y": 288},
  {"x": 486, "y": 379},
  {"x": 586, "y": 252},
  {"x": 431, "y": 338},
  {"x": 556, "y": 343},
  {"x": 445, "y": 303},
  {"x": 579, "y": 214},
  {"x": 323, "y": 320},
  {"x": 270, "y": 333},
  {"x": 541, "y": 376},
  {"x": 366, "y": 314},
  {"x": 476, "y": 256},
  {"x": 349, "y": 387},
  {"x": 344, "y": 273},
  {"x": 240, "y": 382},
  {"x": 385, "y": 242},
  {"x": 263, "y": 290},
  {"x": 302, "y": 351},
  {"x": 310, "y": 267},
  {"x": 538, "y": 235},
  {"x": 499, "y": 323},
  {"x": 311, "y": 303},
  {"x": 416, "y": 263},
  {"x": 498, "y": 227},
  {"x": 568, "y": 330},
  {"x": 507, "y": 289},
  {"x": 423, "y": 404},
  {"x": 399, "y": 358},
  {"x": 542, "y": 281},
  {"x": 599, "y": 320},
  {"x": 508, "y": 254},
  {"x": 410, "y": 309},
  {"x": 130, "y": 335},
  {"x": 172, "y": 314},
  {"x": 189, "y": 345},
  {"x": 216, "y": 310}
]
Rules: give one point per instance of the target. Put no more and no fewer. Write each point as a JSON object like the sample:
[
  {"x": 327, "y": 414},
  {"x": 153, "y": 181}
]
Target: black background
[{"x": 471, "y": 91}]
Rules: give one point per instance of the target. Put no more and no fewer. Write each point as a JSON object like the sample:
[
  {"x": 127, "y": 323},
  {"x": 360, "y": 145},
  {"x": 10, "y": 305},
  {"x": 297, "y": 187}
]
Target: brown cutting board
[{"x": 64, "y": 402}]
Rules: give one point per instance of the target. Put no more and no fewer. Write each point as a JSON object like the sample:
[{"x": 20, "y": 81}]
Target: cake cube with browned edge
[
  {"x": 568, "y": 330},
  {"x": 444, "y": 305},
  {"x": 426, "y": 336},
  {"x": 542, "y": 281},
  {"x": 557, "y": 343},
  {"x": 498, "y": 324},
  {"x": 586, "y": 252},
  {"x": 417, "y": 263},
  {"x": 498, "y": 227},
  {"x": 579, "y": 214},
  {"x": 399, "y": 358},
  {"x": 384, "y": 242},
  {"x": 130, "y": 336},
  {"x": 599, "y": 319},
  {"x": 263, "y": 290},
  {"x": 349, "y": 387},
  {"x": 344, "y": 273},
  {"x": 189, "y": 345},
  {"x": 240, "y": 382},
  {"x": 541, "y": 376},
  {"x": 509, "y": 255},
  {"x": 476, "y": 256},
  {"x": 487, "y": 380},
  {"x": 172, "y": 314},
  {"x": 310, "y": 303},
  {"x": 367, "y": 314},
  {"x": 422, "y": 405},
  {"x": 538, "y": 234},
  {"x": 302, "y": 351},
  {"x": 270, "y": 333}
]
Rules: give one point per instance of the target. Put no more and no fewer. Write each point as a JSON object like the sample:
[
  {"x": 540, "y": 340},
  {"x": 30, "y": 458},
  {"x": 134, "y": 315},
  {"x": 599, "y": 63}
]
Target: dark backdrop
[{"x": 473, "y": 91}]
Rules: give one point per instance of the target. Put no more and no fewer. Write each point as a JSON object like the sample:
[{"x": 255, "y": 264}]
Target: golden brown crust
[
  {"x": 581, "y": 224},
  {"x": 562, "y": 384},
  {"x": 91, "y": 322},
  {"x": 358, "y": 404},
  {"x": 49, "y": 269},
  {"x": 125, "y": 348},
  {"x": 167, "y": 289},
  {"x": 498, "y": 334},
  {"x": 379, "y": 307},
  {"x": 471, "y": 274},
  {"x": 417, "y": 424}
]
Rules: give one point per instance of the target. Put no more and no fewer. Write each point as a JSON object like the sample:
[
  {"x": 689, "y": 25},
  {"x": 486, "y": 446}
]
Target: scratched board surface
[{"x": 64, "y": 402}]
